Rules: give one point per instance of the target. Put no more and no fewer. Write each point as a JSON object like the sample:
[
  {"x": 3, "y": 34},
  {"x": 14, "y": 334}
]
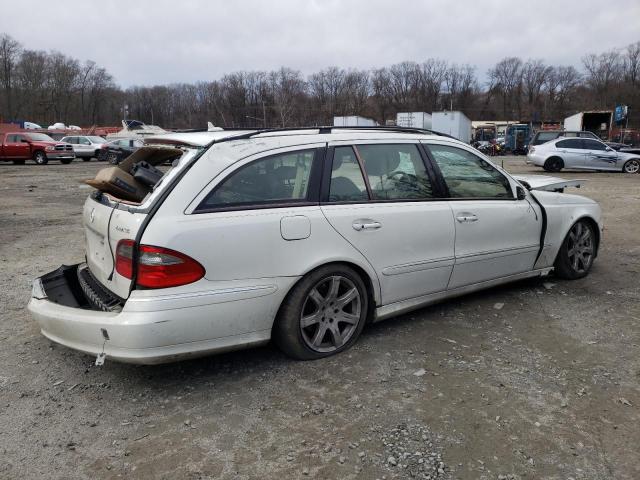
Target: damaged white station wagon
[{"x": 300, "y": 236}]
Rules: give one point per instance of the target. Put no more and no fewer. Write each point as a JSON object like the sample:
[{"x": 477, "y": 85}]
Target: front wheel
[
  {"x": 324, "y": 314},
  {"x": 112, "y": 158},
  {"x": 632, "y": 166},
  {"x": 577, "y": 251},
  {"x": 40, "y": 158}
]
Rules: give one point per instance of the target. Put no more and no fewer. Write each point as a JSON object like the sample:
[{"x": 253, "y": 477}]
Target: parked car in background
[
  {"x": 87, "y": 147},
  {"x": 543, "y": 136},
  {"x": 118, "y": 150},
  {"x": 582, "y": 153},
  {"x": 19, "y": 147},
  {"x": 303, "y": 237}
]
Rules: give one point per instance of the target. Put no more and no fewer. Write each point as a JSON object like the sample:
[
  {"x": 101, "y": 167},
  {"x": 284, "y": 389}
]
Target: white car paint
[{"x": 420, "y": 252}]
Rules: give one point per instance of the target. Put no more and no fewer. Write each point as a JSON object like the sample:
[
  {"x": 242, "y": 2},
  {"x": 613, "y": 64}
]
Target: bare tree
[
  {"x": 602, "y": 72},
  {"x": 534, "y": 76},
  {"x": 9, "y": 55},
  {"x": 506, "y": 80}
]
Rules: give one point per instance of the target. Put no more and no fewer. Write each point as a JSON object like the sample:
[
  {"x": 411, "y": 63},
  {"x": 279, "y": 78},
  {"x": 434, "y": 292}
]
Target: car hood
[{"x": 547, "y": 183}]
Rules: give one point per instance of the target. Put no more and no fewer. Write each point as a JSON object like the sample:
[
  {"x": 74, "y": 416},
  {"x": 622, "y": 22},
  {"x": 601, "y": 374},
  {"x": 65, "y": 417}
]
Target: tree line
[{"x": 48, "y": 87}]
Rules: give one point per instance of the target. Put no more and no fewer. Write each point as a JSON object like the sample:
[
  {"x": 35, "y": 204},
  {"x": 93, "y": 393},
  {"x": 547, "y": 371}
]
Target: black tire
[
  {"x": 113, "y": 158},
  {"x": 553, "y": 164},
  {"x": 577, "y": 252},
  {"x": 294, "y": 339},
  {"x": 66, "y": 161},
  {"x": 632, "y": 166},
  {"x": 40, "y": 158},
  {"x": 18, "y": 162}
]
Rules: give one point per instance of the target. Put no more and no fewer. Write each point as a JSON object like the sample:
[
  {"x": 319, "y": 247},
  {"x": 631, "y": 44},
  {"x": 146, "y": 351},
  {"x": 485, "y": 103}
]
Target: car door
[
  {"x": 572, "y": 152},
  {"x": 496, "y": 235},
  {"x": 382, "y": 198},
  {"x": 598, "y": 156},
  {"x": 85, "y": 148},
  {"x": 14, "y": 147}
]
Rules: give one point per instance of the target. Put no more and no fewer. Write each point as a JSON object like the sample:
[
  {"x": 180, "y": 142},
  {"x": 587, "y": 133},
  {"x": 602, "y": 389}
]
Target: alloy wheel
[
  {"x": 632, "y": 166},
  {"x": 330, "y": 313},
  {"x": 580, "y": 247}
]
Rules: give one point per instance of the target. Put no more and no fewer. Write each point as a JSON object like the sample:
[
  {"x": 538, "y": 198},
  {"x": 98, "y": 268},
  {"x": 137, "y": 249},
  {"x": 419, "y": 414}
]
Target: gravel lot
[{"x": 539, "y": 379}]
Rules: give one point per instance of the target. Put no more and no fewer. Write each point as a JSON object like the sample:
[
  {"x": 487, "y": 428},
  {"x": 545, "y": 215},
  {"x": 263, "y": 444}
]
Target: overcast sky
[{"x": 143, "y": 42}]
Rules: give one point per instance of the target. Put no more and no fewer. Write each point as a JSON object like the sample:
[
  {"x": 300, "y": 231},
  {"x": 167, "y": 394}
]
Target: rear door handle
[
  {"x": 466, "y": 217},
  {"x": 366, "y": 225}
]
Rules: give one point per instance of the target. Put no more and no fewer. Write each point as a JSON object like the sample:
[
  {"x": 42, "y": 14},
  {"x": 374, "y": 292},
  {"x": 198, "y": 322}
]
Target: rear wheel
[
  {"x": 553, "y": 164},
  {"x": 577, "y": 252},
  {"x": 632, "y": 166},
  {"x": 18, "y": 162},
  {"x": 40, "y": 158},
  {"x": 323, "y": 314}
]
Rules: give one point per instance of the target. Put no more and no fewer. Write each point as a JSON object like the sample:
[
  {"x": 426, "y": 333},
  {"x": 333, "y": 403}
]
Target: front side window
[
  {"x": 571, "y": 143},
  {"x": 593, "y": 145},
  {"x": 469, "y": 176},
  {"x": 395, "y": 172},
  {"x": 282, "y": 178}
]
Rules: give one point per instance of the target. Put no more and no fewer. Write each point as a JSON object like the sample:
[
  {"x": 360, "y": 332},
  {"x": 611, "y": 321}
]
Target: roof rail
[{"x": 330, "y": 129}]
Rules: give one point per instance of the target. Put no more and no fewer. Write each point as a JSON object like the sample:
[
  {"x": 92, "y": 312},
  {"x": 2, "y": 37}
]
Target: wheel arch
[{"x": 371, "y": 284}]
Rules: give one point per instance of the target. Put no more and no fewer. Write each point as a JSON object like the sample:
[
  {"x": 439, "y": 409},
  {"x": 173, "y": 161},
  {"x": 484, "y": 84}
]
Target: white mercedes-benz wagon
[{"x": 300, "y": 236}]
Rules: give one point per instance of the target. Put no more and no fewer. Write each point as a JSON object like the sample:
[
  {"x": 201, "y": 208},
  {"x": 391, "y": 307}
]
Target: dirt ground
[{"x": 535, "y": 380}]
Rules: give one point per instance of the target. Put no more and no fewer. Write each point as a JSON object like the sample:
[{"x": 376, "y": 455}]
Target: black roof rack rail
[{"x": 330, "y": 129}]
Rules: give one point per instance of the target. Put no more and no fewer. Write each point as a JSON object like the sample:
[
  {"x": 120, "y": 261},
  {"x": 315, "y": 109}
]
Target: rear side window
[
  {"x": 544, "y": 137},
  {"x": 469, "y": 176},
  {"x": 570, "y": 143},
  {"x": 395, "y": 172},
  {"x": 282, "y": 178}
]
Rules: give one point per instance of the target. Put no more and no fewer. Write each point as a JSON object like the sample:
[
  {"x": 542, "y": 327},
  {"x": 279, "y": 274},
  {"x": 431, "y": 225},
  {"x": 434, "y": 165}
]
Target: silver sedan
[{"x": 582, "y": 154}]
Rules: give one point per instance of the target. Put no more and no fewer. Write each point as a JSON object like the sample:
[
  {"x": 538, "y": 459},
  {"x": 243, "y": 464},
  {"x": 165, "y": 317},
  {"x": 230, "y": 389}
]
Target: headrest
[{"x": 383, "y": 162}]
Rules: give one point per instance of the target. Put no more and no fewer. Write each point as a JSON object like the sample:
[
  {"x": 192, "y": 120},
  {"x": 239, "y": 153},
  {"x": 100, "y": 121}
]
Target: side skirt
[{"x": 393, "y": 309}]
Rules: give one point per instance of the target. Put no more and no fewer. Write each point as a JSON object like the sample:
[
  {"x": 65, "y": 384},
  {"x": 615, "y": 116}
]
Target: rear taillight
[
  {"x": 161, "y": 268},
  {"x": 124, "y": 258},
  {"x": 158, "y": 267}
]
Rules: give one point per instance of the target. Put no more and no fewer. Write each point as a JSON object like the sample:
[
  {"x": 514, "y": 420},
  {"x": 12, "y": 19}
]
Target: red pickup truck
[{"x": 22, "y": 146}]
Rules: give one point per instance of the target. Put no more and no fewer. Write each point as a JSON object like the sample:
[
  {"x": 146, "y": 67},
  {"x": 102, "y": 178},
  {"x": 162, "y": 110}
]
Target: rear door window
[
  {"x": 283, "y": 178},
  {"x": 469, "y": 176},
  {"x": 347, "y": 183},
  {"x": 395, "y": 172},
  {"x": 571, "y": 143}
]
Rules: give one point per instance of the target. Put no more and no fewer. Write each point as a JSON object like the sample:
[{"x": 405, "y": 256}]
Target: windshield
[
  {"x": 96, "y": 139},
  {"x": 39, "y": 137}
]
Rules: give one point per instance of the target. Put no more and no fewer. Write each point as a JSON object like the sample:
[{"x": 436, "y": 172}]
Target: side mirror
[
  {"x": 609, "y": 149},
  {"x": 520, "y": 193}
]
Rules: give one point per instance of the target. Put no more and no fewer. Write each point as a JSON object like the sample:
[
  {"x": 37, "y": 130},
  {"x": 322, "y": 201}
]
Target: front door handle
[
  {"x": 366, "y": 225},
  {"x": 466, "y": 217}
]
